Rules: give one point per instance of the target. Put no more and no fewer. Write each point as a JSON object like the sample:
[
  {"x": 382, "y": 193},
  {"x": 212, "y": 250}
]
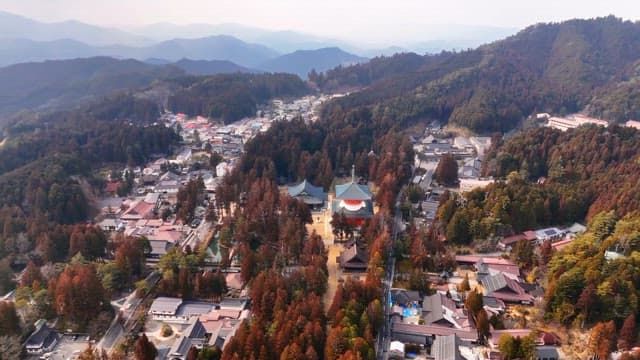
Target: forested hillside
[
  {"x": 64, "y": 83},
  {"x": 549, "y": 177},
  {"x": 558, "y": 68},
  {"x": 230, "y": 97}
]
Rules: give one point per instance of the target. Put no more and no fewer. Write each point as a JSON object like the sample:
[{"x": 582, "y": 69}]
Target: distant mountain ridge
[
  {"x": 210, "y": 48},
  {"x": 211, "y": 67},
  {"x": 64, "y": 83},
  {"x": 556, "y": 67},
  {"x": 301, "y": 62},
  {"x": 19, "y": 27}
]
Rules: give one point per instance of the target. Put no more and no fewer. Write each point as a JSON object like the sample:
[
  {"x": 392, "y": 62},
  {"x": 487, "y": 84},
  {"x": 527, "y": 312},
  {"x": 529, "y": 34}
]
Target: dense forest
[
  {"x": 65, "y": 83},
  {"x": 230, "y": 97},
  {"x": 548, "y": 177},
  {"x": 558, "y": 68}
]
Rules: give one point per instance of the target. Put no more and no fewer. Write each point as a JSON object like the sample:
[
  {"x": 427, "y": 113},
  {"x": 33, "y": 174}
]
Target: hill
[
  {"x": 301, "y": 62},
  {"x": 62, "y": 83},
  {"x": 210, "y": 48},
  {"x": 557, "y": 67},
  {"x": 211, "y": 67},
  {"x": 16, "y": 26}
]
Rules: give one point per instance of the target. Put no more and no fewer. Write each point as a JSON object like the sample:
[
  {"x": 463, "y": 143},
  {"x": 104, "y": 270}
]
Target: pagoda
[{"x": 353, "y": 200}]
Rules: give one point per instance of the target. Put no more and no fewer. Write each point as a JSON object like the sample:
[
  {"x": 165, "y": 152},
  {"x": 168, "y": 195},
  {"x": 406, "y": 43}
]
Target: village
[
  {"x": 433, "y": 323},
  {"x": 141, "y": 202}
]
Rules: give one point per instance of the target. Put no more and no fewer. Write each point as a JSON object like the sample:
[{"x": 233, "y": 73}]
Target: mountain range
[
  {"x": 574, "y": 66},
  {"x": 58, "y": 84},
  {"x": 23, "y": 39}
]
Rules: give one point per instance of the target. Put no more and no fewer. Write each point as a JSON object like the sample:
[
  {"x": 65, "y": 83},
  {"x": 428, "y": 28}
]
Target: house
[
  {"x": 313, "y": 196},
  {"x": 180, "y": 349},
  {"x": 353, "y": 259},
  {"x": 484, "y": 269},
  {"x": 109, "y": 225},
  {"x": 439, "y": 310},
  {"x": 506, "y": 289},
  {"x": 447, "y": 348},
  {"x": 184, "y": 156},
  {"x": 549, "y": 234},
  {"x": 168, "y": 187},
  {"x": 424, "y": 334},
  {"x": 493, "y": 306},
  {"x": 159, "y": 248},
  {"x": 354, "y": 201},
  {"x": 505, "y": 244},
  {"x": 404, "y": 297},
  {"x": 475, "y": 259},
  {"x": 396, "y": 350},
  {"x": 138, "y": 210},
  {"x": 42, "y": 340},
  {"x": 576, "y": 229},
  {"x": 547, "y": 353},
  {"x": 112, "y": 187}
]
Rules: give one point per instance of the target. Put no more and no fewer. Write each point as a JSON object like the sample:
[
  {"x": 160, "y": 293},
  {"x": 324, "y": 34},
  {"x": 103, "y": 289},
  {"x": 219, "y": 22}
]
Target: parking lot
[{"x": 68, "y": 347}]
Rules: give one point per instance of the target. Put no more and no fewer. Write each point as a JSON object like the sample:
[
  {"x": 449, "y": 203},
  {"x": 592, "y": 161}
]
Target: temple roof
[
  {"x": 353, "y": 191},
  {"x": 364, "y": 212},
  {"x": 308, "y": 193}
]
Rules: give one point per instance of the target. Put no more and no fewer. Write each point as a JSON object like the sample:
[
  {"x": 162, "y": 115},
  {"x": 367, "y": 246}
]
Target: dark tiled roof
[
  {"x": 353, "y": 258},
  {"x": 353, "y": 191},
  {"x": 42, "y": 336},
  {"x": 308, "y": 193},
  {"x": 446, "y": 348},
  {"x": 195, "y": 330}
]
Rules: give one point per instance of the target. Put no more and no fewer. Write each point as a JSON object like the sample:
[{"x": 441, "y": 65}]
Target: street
[{"x": 384, "y": 336}]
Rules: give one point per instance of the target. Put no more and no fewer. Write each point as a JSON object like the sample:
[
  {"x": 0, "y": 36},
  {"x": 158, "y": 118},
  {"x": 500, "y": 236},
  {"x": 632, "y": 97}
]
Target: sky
[{"x": 355, "y": 19}]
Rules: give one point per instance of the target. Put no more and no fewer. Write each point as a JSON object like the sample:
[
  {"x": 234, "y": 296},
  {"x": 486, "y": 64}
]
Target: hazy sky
[{"x": 364, "y": 19}]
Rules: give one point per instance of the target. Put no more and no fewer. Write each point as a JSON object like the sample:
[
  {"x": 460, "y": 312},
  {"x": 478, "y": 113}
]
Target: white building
[
  {"x": 573, "y": 121},
  {"x": 222, "y": 169},
  {"x": 633, "y": 123},
  {"x": 468, "y": 184}
]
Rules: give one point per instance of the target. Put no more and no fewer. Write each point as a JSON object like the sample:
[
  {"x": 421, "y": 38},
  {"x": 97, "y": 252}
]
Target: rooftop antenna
[{"x": 353, "y": 173}]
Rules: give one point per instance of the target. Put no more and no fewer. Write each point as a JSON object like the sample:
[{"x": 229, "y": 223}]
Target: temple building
[
  {"x": 313, "y": 196},
  {"x": 353, "y": 200}
]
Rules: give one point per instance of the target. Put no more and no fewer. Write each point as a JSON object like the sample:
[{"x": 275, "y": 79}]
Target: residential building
[{"x": 506, "y": 289}]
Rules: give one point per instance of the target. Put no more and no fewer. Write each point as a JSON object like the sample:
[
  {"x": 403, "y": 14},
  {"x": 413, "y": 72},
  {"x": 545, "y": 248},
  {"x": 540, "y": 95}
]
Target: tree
[
  {"x": 464, "y": 285},
  {"x": 473, "y": 303},
  {"x": 602, "y": 339},
  {"x": 10, "y": 348},
  {"x": 6, "y": 276},
  {"x": 482, "y": 325},
  {"x": 628, "y": 333},
  {"x": 9, "y": 320},
  {"x": 91, "y": 353},
  {"x": 523, "y": 253},
  {"x": 144, "y": 349},
  {"x": 458, "y": 229},
  {"x": 447, "y": 170}
]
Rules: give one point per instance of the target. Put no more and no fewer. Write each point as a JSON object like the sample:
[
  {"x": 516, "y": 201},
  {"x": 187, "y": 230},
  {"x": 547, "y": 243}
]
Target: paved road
[
  {"x": 384, "y": 336},
  {"x": 126, "y": 306}
]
